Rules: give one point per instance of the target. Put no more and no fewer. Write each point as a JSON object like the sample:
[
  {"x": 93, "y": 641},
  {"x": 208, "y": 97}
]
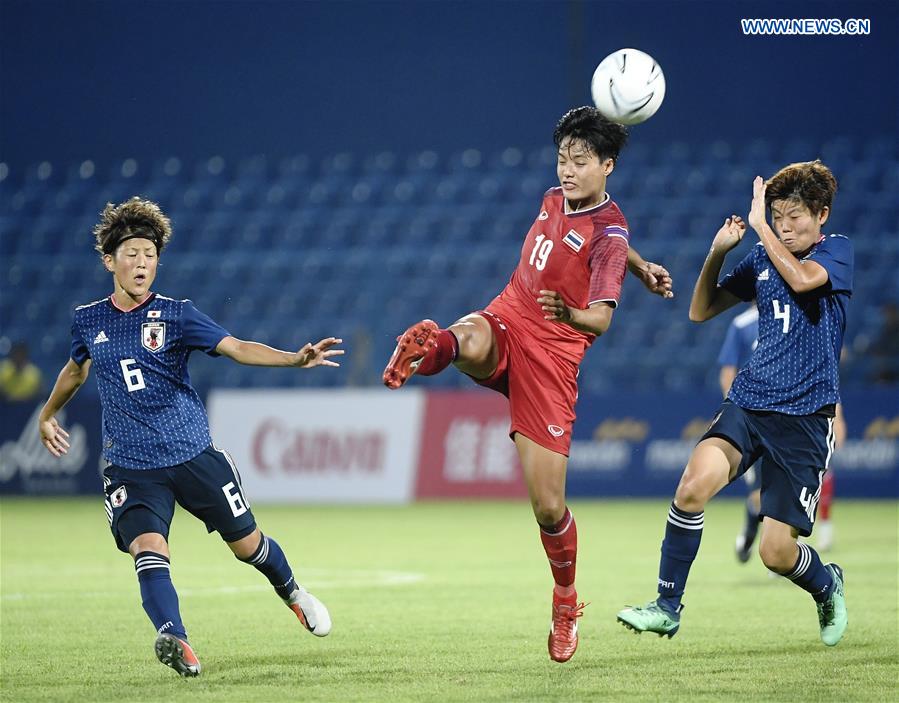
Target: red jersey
[{"x": 581, "y": 255}]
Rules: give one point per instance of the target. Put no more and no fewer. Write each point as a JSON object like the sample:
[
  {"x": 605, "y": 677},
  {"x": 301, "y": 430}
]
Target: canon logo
[{"x": 276, "y": 447}]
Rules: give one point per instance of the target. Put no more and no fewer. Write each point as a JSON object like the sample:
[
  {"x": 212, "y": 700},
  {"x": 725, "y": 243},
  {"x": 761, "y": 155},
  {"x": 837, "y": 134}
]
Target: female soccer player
[
  {"x": 155, "y": 430},
  {"x": 527, "y": 344},
  {"x": 781, "y": 406},
  {"x": 740, "y": 342}
]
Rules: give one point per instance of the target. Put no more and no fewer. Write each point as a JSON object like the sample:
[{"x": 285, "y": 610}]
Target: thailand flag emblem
[{"x": 574, "y": 240}]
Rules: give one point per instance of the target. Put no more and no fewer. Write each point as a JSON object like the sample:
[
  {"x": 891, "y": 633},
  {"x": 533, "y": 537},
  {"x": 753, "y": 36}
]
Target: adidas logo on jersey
[
  {"x": 763, "y": 276},
  {"x": 101, "y": 337}
]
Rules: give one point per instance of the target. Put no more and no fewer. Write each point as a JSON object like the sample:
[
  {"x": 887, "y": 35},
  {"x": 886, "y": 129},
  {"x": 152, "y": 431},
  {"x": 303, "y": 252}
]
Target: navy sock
[
  {"x": 159, "y": 598},
  {"x": 683, "y": 533},
  {"x": 752, "y": 523},
  {"x": 270, "y": 560},
  {"x": 810, "y": 574}
]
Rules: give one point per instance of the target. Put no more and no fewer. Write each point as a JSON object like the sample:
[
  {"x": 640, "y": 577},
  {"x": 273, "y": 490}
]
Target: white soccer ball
[{"x": 628, "y": 86}]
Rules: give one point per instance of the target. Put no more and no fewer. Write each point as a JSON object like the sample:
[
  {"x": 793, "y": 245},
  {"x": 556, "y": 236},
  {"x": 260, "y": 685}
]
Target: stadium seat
[{"x": 371, "y": 242}]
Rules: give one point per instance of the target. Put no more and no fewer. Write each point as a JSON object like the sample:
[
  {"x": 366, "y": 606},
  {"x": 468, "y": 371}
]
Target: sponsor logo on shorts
[
  {"x": 118, "y": 497},
  {"x": 555, "y": 430}
]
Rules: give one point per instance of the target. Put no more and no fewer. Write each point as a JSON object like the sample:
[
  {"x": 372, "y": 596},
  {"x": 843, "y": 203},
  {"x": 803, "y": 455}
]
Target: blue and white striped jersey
[
  {"x": 152, "y": 417},
  {"x": 795, "y": 368}
]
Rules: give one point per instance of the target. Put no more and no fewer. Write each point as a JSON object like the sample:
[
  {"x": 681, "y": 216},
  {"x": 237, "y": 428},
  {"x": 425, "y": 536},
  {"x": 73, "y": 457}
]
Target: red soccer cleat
[
  {"x": 563, "y": 639},
  {"x": 177, "y": 653},
  {"x": 412, "y": 346}
]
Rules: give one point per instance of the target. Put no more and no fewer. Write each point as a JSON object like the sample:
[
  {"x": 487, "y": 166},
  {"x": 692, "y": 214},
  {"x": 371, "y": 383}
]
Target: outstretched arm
[
  {"x": 70, "y": 379},
  {"x": 709, "y": 299},
  {"x": 655, "y": 277},
  {"x": 256, "y": 354}
]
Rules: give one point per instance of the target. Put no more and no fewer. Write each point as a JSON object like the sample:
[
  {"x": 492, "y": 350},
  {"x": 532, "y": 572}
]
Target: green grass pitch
[{"x": 437, "y": 602}]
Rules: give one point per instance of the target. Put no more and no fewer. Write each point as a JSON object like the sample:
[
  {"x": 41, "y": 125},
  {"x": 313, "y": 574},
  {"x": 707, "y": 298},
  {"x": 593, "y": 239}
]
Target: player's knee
[
  {"x": 246, "y": 547},
  {"x": 473, "y": 338},
  {"x": 548, "y": 510},
  {"x": 149, "y": 542},
  {"x": 777, "y": 556},
  {"x": 691, "y": 495}
]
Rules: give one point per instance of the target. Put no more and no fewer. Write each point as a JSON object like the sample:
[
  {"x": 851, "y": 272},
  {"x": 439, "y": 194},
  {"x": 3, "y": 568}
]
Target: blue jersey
[
  {"x": 152, "y": 417},
  {"x": 795, "y": 369},
  {"x": 741, "y": 340}
]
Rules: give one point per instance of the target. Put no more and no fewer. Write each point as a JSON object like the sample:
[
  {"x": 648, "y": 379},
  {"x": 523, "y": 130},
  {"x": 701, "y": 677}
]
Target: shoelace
[
  {"x": 566, "y": 615},
  {"x": 825, "y": 615}
]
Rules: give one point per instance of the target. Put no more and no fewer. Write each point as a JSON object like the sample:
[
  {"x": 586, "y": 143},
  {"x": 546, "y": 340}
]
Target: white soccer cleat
[{"x": 310, "y": 611}]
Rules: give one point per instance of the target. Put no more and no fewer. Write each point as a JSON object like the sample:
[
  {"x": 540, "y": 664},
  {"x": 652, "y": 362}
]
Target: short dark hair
[
  {"x": 133, "y": 218},
  {"x": 586, "y": 124},
  {"x": 809, "y": 182}
]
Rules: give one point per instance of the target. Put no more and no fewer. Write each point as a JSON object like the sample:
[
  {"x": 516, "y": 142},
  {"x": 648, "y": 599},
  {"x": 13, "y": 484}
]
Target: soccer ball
[{"x": 628, "y": 86}]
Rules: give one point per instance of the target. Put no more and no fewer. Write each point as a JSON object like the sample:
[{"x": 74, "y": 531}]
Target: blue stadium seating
[{"x": 292, "y": 249}]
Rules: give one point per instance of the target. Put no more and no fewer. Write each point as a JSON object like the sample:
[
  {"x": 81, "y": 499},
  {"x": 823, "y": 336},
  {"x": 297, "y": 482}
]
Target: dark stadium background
[{"x": 271, "y": 131}]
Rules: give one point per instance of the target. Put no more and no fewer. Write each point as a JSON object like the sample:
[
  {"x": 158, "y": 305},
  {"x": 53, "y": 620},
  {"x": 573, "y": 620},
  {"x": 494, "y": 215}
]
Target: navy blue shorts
[
  {"x": 207, "y": 486},
  {"x": 794, "y": 451}
]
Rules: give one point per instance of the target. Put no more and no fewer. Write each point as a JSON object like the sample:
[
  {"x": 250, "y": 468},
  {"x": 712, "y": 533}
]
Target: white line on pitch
[{"x": 315, "y": 579}]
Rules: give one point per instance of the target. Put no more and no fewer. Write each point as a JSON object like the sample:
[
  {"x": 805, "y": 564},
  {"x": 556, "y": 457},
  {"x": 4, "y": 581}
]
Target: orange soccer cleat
[
  {"x": 563, "y": 638},
  {"x": 412, "y": 346},
  {"x": 177, "y": 653}
]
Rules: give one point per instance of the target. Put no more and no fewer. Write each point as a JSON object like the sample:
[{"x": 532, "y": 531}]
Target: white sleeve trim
[{"x": 604, "y": 300}]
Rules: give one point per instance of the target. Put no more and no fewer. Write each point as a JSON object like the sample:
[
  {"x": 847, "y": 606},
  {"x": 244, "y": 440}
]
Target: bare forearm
[
  {"x": 839, "y": 427},
  {"x": 67, "y": 384},
  {"x": 635, "y": 262},
  {"x": 706, "y": 291},
  {"x": 594, "y": 320},
  {"x": 726, "y": 378},
  {"x": 787, "y": 265},
  {"x": 256, "y": 354}
]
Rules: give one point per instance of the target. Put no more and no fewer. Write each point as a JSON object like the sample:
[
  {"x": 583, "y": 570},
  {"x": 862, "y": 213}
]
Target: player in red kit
[{"x": 528, "y": 343}]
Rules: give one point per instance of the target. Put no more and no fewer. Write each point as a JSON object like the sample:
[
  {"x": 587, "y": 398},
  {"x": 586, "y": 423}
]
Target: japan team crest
[
  {"x": 119, "y": 496},
  {"x": 152, "y": 336}
]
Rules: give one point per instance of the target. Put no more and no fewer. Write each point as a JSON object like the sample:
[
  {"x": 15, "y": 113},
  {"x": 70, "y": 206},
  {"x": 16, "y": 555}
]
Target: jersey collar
[
  {"x": 605, "y": 202},
  {"x": 813, "y": 247},
  {"x": 147, "y": 300}
]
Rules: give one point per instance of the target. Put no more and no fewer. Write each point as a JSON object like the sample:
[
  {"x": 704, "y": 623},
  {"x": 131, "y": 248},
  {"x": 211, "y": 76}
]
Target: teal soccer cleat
[
  {"x": 832, "y": 615},
  {"x": 650, "y": 618}
]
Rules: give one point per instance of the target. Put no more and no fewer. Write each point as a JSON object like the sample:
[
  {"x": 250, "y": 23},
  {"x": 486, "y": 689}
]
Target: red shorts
[{"x": 541, "y": 387}]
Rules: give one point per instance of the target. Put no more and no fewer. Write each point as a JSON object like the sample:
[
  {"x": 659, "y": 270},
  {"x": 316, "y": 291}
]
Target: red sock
[
  {"x": 826, "y": 497},
  {"x": 560, "y": 544},
  {"x": 440, "y": 356}
]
